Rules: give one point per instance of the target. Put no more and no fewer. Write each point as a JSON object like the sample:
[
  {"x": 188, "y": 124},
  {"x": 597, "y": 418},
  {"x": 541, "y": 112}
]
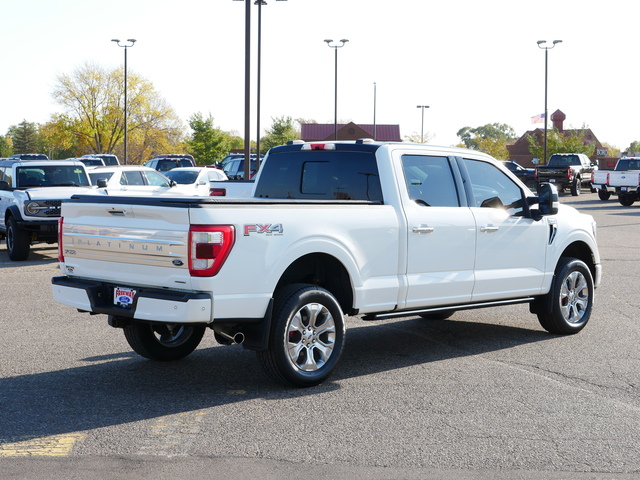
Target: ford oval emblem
[{"x": 177, "y": 263}]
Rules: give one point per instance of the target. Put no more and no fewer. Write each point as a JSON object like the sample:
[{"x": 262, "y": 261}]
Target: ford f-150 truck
[
  {"x": 332, "y": 230},
  {"x": 567, "y": 170},
  {"x": 626, "y": 173}
]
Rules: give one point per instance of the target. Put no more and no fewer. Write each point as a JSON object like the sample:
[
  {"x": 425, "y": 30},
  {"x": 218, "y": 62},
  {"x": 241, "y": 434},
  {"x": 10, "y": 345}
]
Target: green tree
[
  {"x": 207, "y": 143},
  {"x": 473, "y": 137},
  {"x": 93, "y": 99},
  {"x": 558, "y": 142},
  {"x": 5, "y": 147},
  {"x": 415, "y": 137},
  {"x": 24, "y": 137},
  {"x": 282, "y": 130}
]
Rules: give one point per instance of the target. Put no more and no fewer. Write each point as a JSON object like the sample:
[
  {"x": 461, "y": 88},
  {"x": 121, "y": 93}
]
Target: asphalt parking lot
[{"x": 487, "y": 394}]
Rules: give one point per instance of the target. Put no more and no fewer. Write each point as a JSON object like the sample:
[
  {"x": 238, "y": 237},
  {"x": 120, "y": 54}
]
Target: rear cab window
[{"x": 320, "y": 175}]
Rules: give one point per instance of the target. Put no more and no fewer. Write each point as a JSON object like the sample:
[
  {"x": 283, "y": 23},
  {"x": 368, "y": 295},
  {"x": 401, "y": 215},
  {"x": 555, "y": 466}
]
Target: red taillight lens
[
  {"x": 607, "y": 179},
  {"x": 217, "y": 192},
  {"x": 60, "y": 247},
  {"x": 535, "y": 175},
  {"x": 209, "y": 247}
]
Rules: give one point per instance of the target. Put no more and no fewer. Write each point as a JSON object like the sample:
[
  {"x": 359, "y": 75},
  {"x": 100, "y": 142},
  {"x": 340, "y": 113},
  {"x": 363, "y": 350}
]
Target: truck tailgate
[{"x": 147, "y": 242}]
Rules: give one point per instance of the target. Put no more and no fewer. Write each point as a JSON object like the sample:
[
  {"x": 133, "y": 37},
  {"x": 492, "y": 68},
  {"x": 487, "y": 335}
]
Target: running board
[{"x": 466, "y": 306}]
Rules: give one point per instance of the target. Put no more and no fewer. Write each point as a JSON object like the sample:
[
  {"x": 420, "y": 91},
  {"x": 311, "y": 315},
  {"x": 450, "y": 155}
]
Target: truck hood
[{"x": 57, "y": 193}]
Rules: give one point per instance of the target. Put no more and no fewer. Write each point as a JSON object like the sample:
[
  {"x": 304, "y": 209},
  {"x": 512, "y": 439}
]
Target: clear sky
[{"x": 473, "y": 62}]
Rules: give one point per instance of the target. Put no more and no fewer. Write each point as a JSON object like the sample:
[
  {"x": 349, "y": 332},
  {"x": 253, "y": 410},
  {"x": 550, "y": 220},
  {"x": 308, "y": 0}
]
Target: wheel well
[
  {"x": 583, "y": 252},
  {"x": 325, "y": 271}
]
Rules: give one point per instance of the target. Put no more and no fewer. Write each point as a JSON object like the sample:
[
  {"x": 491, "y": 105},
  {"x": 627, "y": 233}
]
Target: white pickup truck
[
  {"x": 625, "y": 180},
  {"x": 333, "y": 229}
]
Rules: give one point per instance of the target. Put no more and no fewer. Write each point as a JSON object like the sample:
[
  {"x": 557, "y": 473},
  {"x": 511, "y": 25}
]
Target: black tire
[
  {"x": 441, "y": 315},
  {"x": 307, "y": 336},
  {"x": 576, "y": 187},
  {"x": 570, "y": 299},
  {"x": 626, "y": 200},
  {"x": 604, "y": 195},
  {"x": 163, "y": 342},
  {"x": 18, "y": 241}
]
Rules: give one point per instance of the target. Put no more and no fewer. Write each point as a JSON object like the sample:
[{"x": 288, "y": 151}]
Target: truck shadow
[{"x": 120, "y": 388}]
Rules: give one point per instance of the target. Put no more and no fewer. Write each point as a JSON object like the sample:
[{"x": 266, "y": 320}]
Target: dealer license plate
[
  {"x": 123, "y": 297},
  {"x": 623, "y": 189}
]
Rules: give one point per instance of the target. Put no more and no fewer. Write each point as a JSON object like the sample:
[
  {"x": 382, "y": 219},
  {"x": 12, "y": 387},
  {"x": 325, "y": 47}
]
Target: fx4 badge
[{"x": 266, "y": 228}]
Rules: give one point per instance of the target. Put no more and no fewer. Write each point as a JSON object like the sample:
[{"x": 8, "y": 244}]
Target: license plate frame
[{"x": 123, "y": 296}]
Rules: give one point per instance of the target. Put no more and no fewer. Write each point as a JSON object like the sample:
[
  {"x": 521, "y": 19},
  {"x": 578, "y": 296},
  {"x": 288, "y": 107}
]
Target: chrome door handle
[
  {"x": 489, "y": 229},
  {"x": 422, "y": 229}
]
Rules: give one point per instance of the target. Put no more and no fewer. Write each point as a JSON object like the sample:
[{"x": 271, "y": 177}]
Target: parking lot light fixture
[
  {"x": 541, "y": 44},
  {"x": 422, "y": 125},
  {"x": 126, "y": 46},
  {"x": 335, "y": 48}
]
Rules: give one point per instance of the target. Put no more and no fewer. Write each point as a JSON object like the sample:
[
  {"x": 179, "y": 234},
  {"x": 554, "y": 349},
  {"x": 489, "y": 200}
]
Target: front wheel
[
  {"x": 307, "y": 336},
  {"x": 163, "y": 342},
  {"x": 18, "y": 241},
  {"x": 570, "y": 298}
]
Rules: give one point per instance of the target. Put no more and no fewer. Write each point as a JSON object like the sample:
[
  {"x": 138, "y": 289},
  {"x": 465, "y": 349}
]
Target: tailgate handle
[{"x": 117, "y": 211}]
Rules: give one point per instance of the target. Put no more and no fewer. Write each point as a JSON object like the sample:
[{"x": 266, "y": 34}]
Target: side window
[
  {"x": 491, "y": 187},
  {"x": 1, "y": 173},
  {"x": 430, "y": 180},
  {"x": 156, "y": 179},
  {"x": 131, "y": 178}
]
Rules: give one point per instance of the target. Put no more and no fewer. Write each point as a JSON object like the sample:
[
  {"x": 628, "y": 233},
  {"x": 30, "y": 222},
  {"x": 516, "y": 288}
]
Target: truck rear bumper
[{"x": 148, "y": 303}]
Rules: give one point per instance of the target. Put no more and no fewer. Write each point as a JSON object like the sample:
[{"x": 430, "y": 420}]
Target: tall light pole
[
  {"x": 126, "y": 47},
  {"x": 335, "y": 49},
  {"x": 374, "y": 111},
  {"x": 260, "y": 3},
  {"x": 422, "y": 126},
  {"x": 546, "y": 66}
]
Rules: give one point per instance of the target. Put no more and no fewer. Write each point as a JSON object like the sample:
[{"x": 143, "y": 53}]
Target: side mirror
[
  {"x": 102, "y": 183},
  {"x": 4, "y": 185},
  {"x": 547, "y": 199}
]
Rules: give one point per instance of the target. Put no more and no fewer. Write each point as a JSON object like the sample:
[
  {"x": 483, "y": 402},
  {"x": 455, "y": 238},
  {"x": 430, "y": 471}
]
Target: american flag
[{"x": 538, "y": 118}]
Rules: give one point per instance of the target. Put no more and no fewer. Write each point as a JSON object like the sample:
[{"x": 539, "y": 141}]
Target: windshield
[
  {"x": 52, "y": 176},
  {"x": 182, "y": 177},
  {"x": 564, "y": 160}
]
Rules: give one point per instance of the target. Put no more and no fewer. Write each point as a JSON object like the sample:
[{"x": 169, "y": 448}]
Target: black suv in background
[{"x": 164, "y": 163}]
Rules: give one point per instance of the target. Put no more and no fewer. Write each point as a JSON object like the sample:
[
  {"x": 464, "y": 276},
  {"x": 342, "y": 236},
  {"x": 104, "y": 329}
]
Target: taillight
[
  {"x": 60, "y": 247},
  {"x": 209, "y": 247},
  {"x": 217, "y": 192},
  {"x": 535, "y": 175},
  {"x": 569, "y": 173},
  {"x": 607, "y": 181}
]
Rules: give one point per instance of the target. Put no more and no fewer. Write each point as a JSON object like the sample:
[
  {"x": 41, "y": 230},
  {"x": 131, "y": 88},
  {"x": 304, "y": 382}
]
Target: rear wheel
[
  {"x": 307, "y": 336},
  {"x": 18, "y": 241},
  {"x": 163, "y": 342},
  {"x": 604, "y": 195},
  {"x": 576, "y": 187},
  {"x": 570, "y": 299},
  {"x": 626, "y": 200}
]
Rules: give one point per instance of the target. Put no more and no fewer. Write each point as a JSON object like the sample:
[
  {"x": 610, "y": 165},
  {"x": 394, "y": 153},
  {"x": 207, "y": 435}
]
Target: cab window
[
  {"x": 491, "y": 187},
  {"x": 430, "y": 180}
]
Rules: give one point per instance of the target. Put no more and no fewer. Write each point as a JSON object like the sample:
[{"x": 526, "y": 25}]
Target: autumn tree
[
  {"x": 5, "y": 147},
  {"x": 491, "y": 138},
  {"x": 93, "y": 99}
]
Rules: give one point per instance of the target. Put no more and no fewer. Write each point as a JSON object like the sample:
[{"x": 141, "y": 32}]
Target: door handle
[
  {"x": 489, "y": 229},
  {"x": 422, "y": 229}
]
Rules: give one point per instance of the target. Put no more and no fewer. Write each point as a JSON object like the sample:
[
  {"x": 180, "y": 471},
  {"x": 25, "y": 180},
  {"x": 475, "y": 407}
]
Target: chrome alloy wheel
[
  {"x": 311, "y": 337},
  {"x": 574, "y": 297}
]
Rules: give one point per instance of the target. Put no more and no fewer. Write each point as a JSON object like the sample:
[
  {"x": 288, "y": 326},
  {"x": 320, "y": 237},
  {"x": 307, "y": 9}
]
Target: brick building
[{"x": 519, "y": 150}]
